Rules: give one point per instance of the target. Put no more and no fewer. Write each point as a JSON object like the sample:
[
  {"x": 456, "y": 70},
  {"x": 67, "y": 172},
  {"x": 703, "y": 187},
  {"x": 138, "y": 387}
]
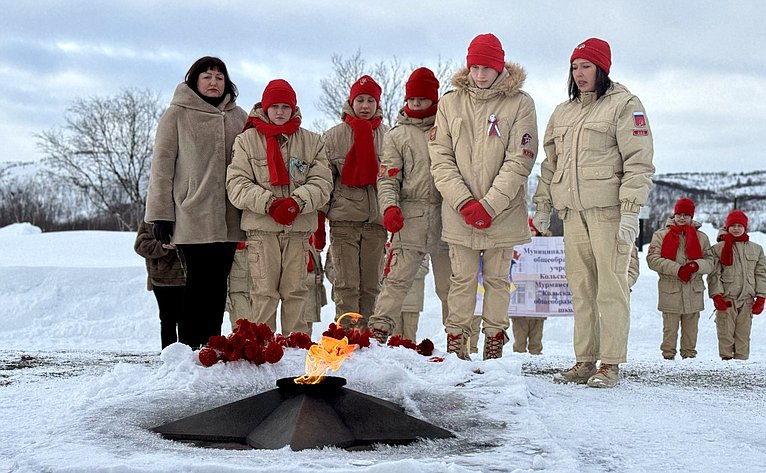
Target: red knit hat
[
  {"x": 736, "y": 216},
  {"x": 278, "y": 91},
  {"x": 486, "y": 50},
  {"x": 422, "y": 83},
  {"x": 365, "y": 85},
  {"x": 684, "y": 206},
  {"x": 596, "y": 51}
]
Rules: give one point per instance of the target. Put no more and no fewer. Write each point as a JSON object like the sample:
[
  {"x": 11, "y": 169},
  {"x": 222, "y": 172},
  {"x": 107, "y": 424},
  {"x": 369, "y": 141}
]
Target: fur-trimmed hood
[{"x": 508, "y": 83}]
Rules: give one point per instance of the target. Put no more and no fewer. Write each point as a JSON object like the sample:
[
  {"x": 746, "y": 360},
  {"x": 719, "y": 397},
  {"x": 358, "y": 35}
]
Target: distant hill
[{"x": 715, "y": 194}]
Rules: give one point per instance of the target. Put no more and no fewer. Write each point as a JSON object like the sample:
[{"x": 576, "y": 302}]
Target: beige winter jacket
[
  {"x": 350, "y": 204},
  {"x": 188, "y": 177},
  {"x": 745, "y": 279},
  {"x": 470, "y": 161},
  {"x": 249, "y": 186},
  {"x": 405, "y": 181},
  {"x": 676, "y": 296},
  {"x": 598, "y": 154}
]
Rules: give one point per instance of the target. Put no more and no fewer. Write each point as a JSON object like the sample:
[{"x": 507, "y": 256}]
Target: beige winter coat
[
  {"x": 350, "y": 204},
  {"x": 405, "y": 181},
  {"x": 468, "y": 162},
  {"x": 598, "y": 154},
  {"x": 745, "y": 279},
  {"x": 188, "y": 177},
  {"x": 676, "y": 296},
  {"x": 249, "y": 186}
]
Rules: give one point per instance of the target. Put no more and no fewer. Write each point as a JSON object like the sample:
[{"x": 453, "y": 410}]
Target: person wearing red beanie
[
  {"x": 680, "y": 254},
  {"x": 597, "y": 173},
  {"x": 279, "y": 177},
  {"x": 737, "y": 286},
  {"x": 483, "y": 147},
  {"x": 357, "y": 236},
  {"x": 412, "y": 206}
]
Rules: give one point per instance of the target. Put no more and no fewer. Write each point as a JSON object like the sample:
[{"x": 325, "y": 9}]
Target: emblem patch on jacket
[
  {"x": 528, "y": 153},
  {"x": 639, "y": 120},
  {"x": 526, "y": 139},
  {"x": 432, "y": 135},
  {"x": 382, "y": 171},
  {"x": 298, "y": 169}
]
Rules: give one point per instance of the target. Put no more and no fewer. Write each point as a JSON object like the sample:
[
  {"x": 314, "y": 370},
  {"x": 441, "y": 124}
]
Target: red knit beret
[
  {"x": 422, "y": 83},
  {"x": 365, "y": 85},
  {"x": 736, "y": 216},
  {"x": 486, "y": 50},
  {"x": 596, "y": 51},
  {"x": 684, "y": 206},
  {"x": 278, "y": 91}
]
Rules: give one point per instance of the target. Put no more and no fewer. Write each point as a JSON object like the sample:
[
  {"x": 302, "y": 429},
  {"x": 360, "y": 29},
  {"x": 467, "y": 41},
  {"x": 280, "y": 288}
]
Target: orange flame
[{"x": 327, "y": 355}]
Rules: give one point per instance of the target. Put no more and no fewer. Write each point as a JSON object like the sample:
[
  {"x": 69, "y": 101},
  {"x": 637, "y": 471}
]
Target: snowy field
[{"x": 82, "y": 381}]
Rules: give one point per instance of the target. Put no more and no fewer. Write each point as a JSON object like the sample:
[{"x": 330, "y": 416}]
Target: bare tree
[
  {"x": 390, "y": 74},
  {"x": 105, "y": 150}
]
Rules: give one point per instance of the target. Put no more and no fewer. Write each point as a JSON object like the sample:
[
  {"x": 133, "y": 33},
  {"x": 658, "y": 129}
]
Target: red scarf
[
  {"x": 361, "y": 166},
  {"x": 278, "y": 175},
  {"x": 430, "y": 111},
  {"x": 727, "y": 254},
  {"x": 672, "y": 239}
]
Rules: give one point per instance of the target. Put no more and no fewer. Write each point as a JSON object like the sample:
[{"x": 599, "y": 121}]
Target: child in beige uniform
[{"x": 737, "y": 286}]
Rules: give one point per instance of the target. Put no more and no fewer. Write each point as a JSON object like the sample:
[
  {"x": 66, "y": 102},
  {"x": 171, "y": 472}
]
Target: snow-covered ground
[{"x": 82, "y": 381}]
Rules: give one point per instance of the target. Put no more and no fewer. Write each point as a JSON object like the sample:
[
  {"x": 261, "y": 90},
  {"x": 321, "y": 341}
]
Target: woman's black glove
[{"x": 162, "y": 231}]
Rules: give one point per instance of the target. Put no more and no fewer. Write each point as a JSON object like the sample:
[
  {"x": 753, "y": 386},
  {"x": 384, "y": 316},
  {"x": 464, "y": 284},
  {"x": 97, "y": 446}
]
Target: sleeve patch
[
  {"x": 640, "y": 132},
  {"x": 528, "y": 153},
  {"x": 432, "y": 135},
  {"x": 393, "y": 172},
  {"x": 382, "y": 171}
]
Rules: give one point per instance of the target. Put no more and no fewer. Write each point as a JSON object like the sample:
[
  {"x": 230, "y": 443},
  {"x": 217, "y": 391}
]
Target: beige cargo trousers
[
  {"x": 278, "y": 264},
  {"x": 597, "y": 273}
]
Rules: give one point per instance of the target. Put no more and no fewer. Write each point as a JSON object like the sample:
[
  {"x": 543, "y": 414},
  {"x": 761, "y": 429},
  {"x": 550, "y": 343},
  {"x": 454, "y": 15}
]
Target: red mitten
[
  {"x": 286, "y": 212},
  {"x": 319, "y": 239},
  {"x": 475, "y": 215},
  {"x": 393, "y": 219},
  {"x": 686, "y": 271},
  {"x": 274, "y": 205},
  {"x": 758, "y": 305},
  {"x": 720, "y": 303}
]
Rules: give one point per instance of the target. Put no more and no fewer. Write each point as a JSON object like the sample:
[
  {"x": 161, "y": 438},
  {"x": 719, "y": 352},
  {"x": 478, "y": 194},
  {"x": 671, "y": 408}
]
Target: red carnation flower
[
  {"x": 280, "y": 339},
  {"x": 208, "y": 356},
  {"x": 299, "y": 340},
  {"x": 263, "y": 332},
  {"x": 218, "y": 342},
  {"x": 273, "y": 352},
  {"x": 397, "y": 341},
  {"x": 425, "y": 347}
]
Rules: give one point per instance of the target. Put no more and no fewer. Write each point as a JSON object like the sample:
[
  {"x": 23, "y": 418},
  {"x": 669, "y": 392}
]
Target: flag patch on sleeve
[{"x": 639, "y": 120}]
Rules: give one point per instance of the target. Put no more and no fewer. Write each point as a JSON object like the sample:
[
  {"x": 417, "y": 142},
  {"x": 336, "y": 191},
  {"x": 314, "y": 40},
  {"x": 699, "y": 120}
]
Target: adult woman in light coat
[
  {"x": 187, "y": 201},
  {"x": 597, "y": 174}
]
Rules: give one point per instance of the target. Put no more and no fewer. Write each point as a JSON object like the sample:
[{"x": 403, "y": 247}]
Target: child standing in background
[
  {"x": 737, "y": 286},
  {"x": 166, "y": 279},
  {"x": 357, "y": 236},
  {"x": 680, "y": 254}
]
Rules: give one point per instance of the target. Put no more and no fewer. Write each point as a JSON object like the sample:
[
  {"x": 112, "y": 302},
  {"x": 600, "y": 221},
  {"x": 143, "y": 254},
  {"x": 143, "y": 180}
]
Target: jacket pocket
[
  {"x": 595, "y": 136},
  {"x": 261, "y": 172},
  {"x": 597, "y": 173},
  {"x": 298, "y": 170}
]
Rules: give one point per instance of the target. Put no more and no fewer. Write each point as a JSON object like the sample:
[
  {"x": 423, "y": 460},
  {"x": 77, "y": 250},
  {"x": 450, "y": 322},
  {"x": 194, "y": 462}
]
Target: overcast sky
[{"x": 699, "y": 67}]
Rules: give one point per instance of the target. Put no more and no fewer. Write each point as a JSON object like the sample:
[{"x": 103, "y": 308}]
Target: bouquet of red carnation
[
  {"x": 425, "y": 348},
  {"x": 353, "y": 335},
  {"x": 256, "y": 343}
]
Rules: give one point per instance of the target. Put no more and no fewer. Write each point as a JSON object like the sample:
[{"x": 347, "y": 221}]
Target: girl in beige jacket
[
  {"x": 279, "y": 177},
  {"x": 357, "y": 238}
]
